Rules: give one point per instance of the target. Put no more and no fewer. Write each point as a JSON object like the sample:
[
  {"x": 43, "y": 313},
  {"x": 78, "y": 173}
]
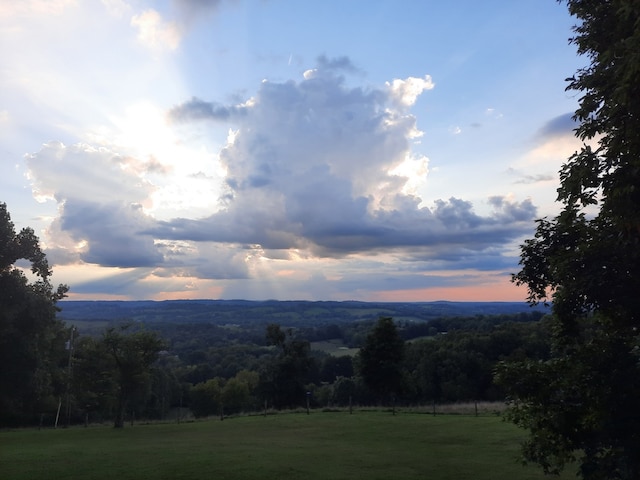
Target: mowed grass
[{"x": 323, "y": 445}]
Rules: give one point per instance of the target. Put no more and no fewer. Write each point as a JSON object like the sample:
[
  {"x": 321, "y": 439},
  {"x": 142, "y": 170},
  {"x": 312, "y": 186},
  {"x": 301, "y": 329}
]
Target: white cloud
[
  {"x": 415, "y": 170},
  {"x": 312, "y": 169},
  {"x": 328, "y": 170},
  {"x": 85, "y": 172},
  {"x": 101, "y": 197},
  {"x": 154, "y": 32},
  {"x": 408, "y": 90}
]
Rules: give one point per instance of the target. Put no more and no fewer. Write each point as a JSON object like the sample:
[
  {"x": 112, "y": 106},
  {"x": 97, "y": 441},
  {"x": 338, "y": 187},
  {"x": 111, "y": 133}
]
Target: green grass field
[
  {"x": 323, "y": 445},
  {"x": 335, "y": 347}
]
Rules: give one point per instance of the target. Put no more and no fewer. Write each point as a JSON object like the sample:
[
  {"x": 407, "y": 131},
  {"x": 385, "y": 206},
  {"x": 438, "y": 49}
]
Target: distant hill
[{"x": 282, "y": 312}]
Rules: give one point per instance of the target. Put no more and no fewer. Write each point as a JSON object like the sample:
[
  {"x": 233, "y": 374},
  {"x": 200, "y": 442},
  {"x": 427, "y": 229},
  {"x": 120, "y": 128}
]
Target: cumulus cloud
[
  {"x": 101, "y": 197},
  {"x": 338, "y": 64},
  {"x": 315, "y": 169},
  {"x": 314, "y": 166},
  {"x": 111, "y": 233},
  {"x": 408, "y": 90},
  {"x": 197, "y": 109},
  {"x": 81, "y": 171}
]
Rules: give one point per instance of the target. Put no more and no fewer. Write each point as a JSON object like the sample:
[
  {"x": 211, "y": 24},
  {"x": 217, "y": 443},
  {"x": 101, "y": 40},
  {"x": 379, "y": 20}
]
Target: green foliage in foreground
[
  {"x": 582, "y": 403},
  {"x": 371, "y": 445}
]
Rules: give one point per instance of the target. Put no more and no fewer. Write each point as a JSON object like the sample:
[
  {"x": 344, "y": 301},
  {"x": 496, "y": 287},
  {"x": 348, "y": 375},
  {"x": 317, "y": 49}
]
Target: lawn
[{"x": 323, "y": 445}]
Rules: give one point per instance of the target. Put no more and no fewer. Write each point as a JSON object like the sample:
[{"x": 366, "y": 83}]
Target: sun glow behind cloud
[{"x": 185, "y": 178}]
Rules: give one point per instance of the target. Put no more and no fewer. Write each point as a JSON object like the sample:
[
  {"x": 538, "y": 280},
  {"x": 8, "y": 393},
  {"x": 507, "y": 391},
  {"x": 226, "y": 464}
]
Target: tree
[
  {"x": 380, "y": 359},
  {"x": 94, "y": 389},
  {"x": 132, "y": 355},
  {"x": 283, "y": 379},
  {"x": 206, "y": 397},
  {"x": 31, "y": 338},
  {"x": 582, "y": 403},
  {"x": 237, "y": 393},
  {"x": 335, "y": 367}
]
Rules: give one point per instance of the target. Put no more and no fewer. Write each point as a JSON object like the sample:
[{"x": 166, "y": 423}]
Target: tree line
[
  {"x": 55, "y": 375},
  {"x": 284, "y": 372}
]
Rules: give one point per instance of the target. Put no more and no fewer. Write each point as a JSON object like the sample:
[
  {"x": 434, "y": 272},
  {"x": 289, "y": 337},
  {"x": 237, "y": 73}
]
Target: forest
[
  {"x": 160, "y": 370},
  {"x": 85, "y": 362}
]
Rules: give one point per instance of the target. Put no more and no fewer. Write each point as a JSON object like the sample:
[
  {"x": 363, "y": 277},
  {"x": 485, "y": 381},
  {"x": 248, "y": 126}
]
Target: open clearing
[
  {"x": 335, "y": 347},
  {"x": 323, "y": 445}
]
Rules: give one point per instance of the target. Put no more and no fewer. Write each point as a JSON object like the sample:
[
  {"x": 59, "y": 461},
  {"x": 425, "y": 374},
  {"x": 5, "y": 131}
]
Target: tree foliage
[
  {"x": 380, "y": 359},
  {"x": 583, "y": 401},
  {"x": 283, "y": 379},
  {"x": 131, "y": 356},
  {"x": 31, "y": 338},
  {"x": 218, "y": 396},
  {"x": 93, "y": 380}
]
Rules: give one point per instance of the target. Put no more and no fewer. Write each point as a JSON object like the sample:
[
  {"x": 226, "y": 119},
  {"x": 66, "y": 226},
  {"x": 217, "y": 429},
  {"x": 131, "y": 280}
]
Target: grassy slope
[{"x": 371, "y": 445}]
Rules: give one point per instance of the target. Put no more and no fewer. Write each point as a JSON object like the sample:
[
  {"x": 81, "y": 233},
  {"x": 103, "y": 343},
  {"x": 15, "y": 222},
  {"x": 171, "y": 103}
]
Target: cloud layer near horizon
[{"x": 315, "y": 168}]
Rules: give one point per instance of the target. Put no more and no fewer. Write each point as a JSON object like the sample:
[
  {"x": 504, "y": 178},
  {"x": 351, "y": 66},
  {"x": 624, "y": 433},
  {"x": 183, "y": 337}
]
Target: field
[
  {"x": 323, "y": 445},
  {"x": 334, "y": 347}
]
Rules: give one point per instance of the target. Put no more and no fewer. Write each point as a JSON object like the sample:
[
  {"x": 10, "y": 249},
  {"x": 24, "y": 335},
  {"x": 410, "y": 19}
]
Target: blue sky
[{"x": 378, "y": 150}]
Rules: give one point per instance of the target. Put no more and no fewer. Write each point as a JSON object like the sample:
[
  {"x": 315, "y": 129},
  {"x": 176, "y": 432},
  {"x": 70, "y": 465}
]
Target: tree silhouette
[
  {"x": 380, "y": 359},
  {"x": 132, "y": 356},
  {"x": 31, "y": 338},
  {"x": 582, "y": 403}
]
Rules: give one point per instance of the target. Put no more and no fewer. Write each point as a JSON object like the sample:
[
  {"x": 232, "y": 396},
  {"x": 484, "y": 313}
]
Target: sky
[{"x": 378, "y": 150}]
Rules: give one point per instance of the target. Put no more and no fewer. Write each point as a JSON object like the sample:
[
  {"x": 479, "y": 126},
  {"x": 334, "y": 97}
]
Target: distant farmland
[{"x": 297, "y": 313}]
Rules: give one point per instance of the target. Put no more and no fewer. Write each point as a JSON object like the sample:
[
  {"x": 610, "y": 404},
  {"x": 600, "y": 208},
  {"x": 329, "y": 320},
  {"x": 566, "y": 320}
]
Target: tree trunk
[{"x": 118, "y": 421}]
